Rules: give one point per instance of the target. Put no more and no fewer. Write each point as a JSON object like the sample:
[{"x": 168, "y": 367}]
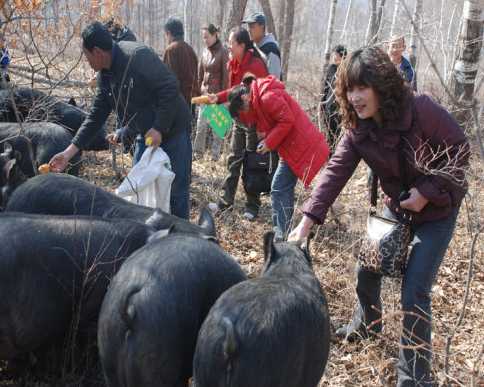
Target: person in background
[
  {"x": 265, "y": 42},
  {"x": 119, "y": 32},
  {"x": 213, "y": 76},
  {"x": 386, "y": 124},
  {"x": 5, "y": 60},
  {"x": 286, "y": 128},
  {"x": 143, "y": 92},
  {"x": 328, "y": 101},
  {"x": 181, "y": 59},
  {"x": 244, "y": 58},
  {"x": 396, "y": 49}
]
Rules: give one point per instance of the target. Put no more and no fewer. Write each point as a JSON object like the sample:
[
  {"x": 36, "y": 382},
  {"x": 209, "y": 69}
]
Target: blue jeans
[
  {"x": 429, "y": 246},
  {"x": 179, "y": 150},
  {"x": 282, "y": 197}
]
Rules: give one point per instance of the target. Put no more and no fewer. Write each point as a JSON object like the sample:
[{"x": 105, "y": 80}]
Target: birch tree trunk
[
  {"x": 220, "y": 13},
  {"x": 266, "y": 7},
  {"x": 376, "y": 12},
  {"x": 467, "y": 60},
  {"x": 345, "y": 25},
  {"x": 393, "y": 27},
  {"x": 329, "y": 37},
  {"x": 416, "y": 26},
  {"x": 289, "y": 25},
  {"x": 188, "y": 21},
  {"x": 372, "y": 22}
]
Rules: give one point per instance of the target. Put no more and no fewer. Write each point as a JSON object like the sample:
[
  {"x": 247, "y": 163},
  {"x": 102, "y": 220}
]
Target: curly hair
[{"x": 371, "y": 67}]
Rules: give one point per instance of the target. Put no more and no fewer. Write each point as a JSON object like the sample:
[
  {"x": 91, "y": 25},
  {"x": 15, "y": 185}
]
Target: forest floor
[
  {"x": 368, "y": 362},
  {"x": 458, "y": 295}
]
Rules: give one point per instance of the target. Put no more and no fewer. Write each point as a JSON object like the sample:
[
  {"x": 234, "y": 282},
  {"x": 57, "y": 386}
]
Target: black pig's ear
[
  {"x": 305, "y": 245},
  {"x": 268, "y": 246},
  {"x": 206, "y": 222},
  {"x": 9, "y": 168}
]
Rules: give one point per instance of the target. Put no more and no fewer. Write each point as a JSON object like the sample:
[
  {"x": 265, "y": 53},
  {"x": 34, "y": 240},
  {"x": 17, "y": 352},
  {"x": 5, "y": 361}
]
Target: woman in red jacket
[
  {"x": 410, "y": 143},
  {"x": 244, "y": 59},
  {"x": 285, "y": 127}
]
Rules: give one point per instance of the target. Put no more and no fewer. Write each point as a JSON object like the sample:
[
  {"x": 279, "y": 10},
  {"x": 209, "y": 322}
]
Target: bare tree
[
  {"x": 345, "y": 25},
  {"x": 281, "y": 21},
  {"x": 329, "y": 36},
  {"x": 470, "y": 44},
  {"x": 289, "y": 26},
  {"x": 416, "y": 26},
  {"x": 393, "y": 26},
  {"x": 376, "y": 11},
  {"x": 220, "y": 13},
  {"x": 236, "y": 14},
  {"x": 188, "y": 20},
  {"x": 266, "y": 7}
]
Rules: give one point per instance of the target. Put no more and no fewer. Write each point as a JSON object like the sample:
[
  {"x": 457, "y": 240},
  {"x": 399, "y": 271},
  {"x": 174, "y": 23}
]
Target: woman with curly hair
[{"x": 385, "y": 123}]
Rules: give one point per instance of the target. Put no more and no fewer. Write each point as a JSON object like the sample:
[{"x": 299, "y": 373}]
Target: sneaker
[{"x": 249, "y": 216}]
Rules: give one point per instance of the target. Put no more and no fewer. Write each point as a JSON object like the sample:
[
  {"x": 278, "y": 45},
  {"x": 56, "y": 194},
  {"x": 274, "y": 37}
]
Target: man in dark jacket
[
  {"x": 395, "y": 52},
  {"x": 265, "y": 42},
  {"x": 181, "y": 59},
  {"x": 134, "y": 83},
  {"x": 328, "y": 100}
]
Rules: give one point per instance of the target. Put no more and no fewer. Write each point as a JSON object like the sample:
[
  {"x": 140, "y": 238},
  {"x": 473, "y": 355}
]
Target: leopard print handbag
[{"x": 384, "y": 250}]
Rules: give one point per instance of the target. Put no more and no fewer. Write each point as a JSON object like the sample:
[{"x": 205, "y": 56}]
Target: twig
[
  {"x": 19, "y": 70},
  {"x": 477, "y": 363},
  {"x": 432, "y": 63},
  {"x": 476, "y": 117},
  {"x": 464, "y": 302}
]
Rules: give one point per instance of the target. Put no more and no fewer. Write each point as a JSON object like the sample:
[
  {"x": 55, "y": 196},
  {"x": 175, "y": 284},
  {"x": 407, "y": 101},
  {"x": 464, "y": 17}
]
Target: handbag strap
[{"x": 403, "y": 174}]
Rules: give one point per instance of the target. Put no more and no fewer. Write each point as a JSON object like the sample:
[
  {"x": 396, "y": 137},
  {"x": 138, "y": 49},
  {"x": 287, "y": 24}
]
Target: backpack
[{"x": 258, "y": 171}]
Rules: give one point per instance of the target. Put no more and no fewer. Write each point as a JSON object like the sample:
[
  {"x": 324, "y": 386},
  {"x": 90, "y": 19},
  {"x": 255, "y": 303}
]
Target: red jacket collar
[{"x": 235, "y": 67}]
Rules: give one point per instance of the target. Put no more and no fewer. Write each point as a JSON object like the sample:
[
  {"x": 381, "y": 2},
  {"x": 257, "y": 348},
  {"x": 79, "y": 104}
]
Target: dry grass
[
  {"x": 372, "y": 362},
  {"x": 368, "y": 363}
]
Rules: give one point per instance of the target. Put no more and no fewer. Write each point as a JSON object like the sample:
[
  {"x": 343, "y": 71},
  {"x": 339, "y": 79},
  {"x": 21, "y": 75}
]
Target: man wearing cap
[
  {"x": 395, "y": 52},
  {"x": 265, "y": 42}
]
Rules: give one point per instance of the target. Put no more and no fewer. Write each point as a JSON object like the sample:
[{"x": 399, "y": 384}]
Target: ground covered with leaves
[{"x": 458, "y": 298}]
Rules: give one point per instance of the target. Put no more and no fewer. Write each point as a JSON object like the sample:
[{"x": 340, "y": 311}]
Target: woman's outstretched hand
[{"x": 302, "y": 230}]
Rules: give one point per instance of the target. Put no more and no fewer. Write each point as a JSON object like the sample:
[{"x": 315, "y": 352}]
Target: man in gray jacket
[
  {"x": 133, "y": 81},
  {"x": 265, "y": 42}
]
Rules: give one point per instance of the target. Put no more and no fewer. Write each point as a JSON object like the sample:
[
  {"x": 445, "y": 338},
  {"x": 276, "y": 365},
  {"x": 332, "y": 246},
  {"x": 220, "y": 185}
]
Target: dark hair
[
  {"x": 175, "y": 28},
  {"x": 341, "y": 50},
  {"x": 97, "y": 35},
  {"x": 371, "y": 67},
  {"x": 212, "y": 30},
  {"x": 236, "y": 103},
  {"x": 241, "y": 36}
]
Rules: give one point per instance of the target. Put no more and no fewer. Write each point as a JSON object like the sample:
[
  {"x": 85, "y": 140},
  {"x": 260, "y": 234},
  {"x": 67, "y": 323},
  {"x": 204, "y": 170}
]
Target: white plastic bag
[{"x": 149, "y": 181}]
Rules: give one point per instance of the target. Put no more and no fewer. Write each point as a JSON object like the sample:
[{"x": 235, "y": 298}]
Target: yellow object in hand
[
  {"x": 149, "y": 141},
  {"x": 201, "y": 100},
  {"x": 44, "y": 168}
]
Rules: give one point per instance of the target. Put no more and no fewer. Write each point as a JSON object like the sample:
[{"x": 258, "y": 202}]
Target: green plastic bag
[{"x": 218, "y": 118}]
